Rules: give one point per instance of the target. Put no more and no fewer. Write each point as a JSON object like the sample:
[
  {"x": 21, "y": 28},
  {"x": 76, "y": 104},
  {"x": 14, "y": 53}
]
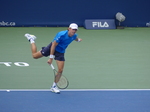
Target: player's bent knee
[
  {"x": 34, "y": 57},
  {"x": 37, "y": 55}
]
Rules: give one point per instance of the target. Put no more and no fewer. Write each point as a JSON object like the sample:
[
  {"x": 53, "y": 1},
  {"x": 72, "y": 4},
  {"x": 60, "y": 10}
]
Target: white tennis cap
[{"x": 73, "y": 26}]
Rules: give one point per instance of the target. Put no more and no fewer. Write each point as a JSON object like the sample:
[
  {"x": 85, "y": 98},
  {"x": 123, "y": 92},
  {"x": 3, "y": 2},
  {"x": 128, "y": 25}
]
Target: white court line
[{"x": 77, "y": 90}]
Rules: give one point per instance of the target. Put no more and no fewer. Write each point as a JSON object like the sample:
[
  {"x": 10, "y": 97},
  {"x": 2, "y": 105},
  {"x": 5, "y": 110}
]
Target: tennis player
[{"x": 55, "y": 50}]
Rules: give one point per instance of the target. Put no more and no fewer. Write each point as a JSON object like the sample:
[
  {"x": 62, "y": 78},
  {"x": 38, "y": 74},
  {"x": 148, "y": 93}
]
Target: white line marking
[{"x": 77, "y": 90}]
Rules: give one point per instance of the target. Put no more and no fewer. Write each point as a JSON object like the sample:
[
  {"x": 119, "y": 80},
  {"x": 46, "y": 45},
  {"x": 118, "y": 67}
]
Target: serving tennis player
[{"x": 55, "y": 50}]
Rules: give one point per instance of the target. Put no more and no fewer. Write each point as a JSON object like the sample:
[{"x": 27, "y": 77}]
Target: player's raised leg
[{"x": 31, "y": 39}]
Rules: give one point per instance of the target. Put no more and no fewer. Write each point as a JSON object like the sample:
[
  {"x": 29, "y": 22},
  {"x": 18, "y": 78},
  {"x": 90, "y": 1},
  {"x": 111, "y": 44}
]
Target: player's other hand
[
  {"x": 80, "y": 39},
  {"x": 50, "y": 61}
]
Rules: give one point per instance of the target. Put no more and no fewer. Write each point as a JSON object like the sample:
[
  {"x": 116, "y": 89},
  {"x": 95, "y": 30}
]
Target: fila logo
[{"x": 100, "y": 24}]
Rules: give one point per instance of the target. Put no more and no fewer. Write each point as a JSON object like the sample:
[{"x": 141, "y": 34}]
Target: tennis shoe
[
  {"x": 55, "y": 90},
  {"x": 29, "y": 37}
]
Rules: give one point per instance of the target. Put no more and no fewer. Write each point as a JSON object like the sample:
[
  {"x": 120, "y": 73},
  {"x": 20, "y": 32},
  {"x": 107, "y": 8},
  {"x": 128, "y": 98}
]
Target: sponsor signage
[
  {"x": 3, "y": 23},
  {"x": 100, "y": 24}
]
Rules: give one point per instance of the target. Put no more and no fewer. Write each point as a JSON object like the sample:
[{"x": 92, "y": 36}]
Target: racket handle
[{"x": 52, "y": 67}]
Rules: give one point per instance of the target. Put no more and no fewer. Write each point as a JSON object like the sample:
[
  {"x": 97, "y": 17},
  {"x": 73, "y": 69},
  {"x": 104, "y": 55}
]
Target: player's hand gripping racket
[{"x": 63, "y": 82}]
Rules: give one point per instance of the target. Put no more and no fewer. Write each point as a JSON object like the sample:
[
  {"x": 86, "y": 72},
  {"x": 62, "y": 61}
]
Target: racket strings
[{"x": 62, "y": 83}]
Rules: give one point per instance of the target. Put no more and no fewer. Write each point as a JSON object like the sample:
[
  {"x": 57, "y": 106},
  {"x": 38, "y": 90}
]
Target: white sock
[
  {"x": 54, "y": 84},
  {"x": 32, "y": 41}
]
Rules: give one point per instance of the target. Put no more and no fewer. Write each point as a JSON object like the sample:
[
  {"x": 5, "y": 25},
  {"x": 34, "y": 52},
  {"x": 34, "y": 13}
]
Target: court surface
[
  {"x": 75, "y": 101},
  {"x": 108, "y": 71}
]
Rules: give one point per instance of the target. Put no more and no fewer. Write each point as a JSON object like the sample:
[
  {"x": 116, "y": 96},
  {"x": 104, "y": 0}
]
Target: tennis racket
[{"x": 63, "y": 82}]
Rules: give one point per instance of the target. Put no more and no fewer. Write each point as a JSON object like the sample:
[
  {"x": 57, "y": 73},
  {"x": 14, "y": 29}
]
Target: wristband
[{"x": 51, "y": 56}]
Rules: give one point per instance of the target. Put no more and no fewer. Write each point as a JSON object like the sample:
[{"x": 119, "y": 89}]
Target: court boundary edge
[{"x": 77, "y": 90}]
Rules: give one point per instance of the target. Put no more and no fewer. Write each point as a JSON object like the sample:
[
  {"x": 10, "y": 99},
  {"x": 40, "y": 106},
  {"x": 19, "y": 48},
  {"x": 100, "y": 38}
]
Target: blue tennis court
[{"x": 75, "y": 101}]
